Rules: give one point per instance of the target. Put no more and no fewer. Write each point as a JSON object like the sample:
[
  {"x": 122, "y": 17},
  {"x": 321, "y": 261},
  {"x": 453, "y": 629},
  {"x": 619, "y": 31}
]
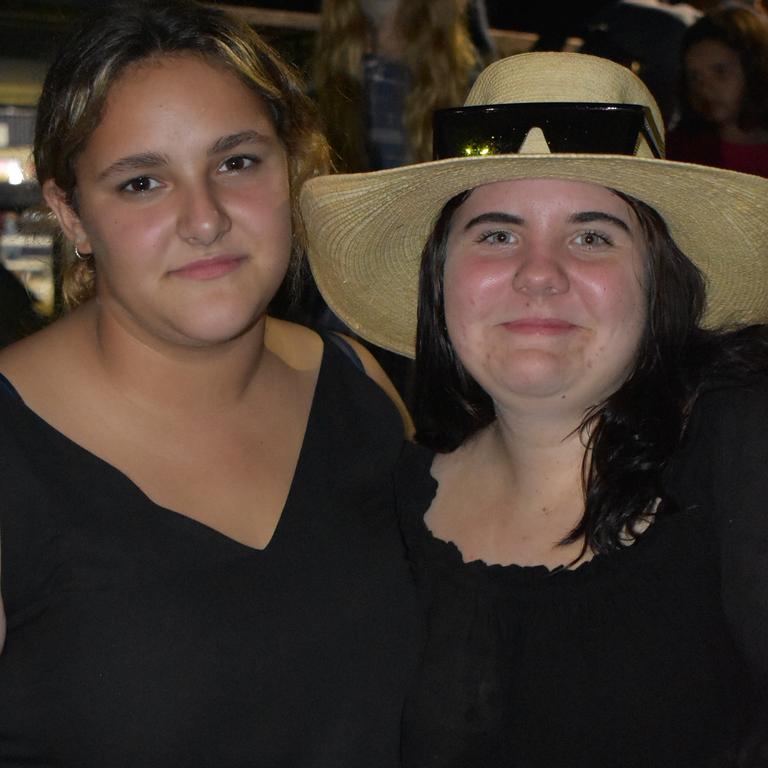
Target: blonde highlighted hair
[{"x": 436, "y": 49}]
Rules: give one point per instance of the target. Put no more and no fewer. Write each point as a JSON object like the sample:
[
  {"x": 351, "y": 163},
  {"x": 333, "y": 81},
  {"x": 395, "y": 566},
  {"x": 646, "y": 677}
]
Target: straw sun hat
[{"x": 366, "y": 231}]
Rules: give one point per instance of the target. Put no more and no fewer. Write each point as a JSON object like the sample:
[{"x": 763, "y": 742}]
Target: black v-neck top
[
  {"x": 140, "y": 637},
  {"x": 652, "y": 656}
]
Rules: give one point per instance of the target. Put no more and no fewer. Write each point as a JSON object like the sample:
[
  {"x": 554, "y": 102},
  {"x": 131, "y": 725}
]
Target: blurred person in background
[
  {"x": 381, "y": 67},
  {"x": 724, "y": 91}
]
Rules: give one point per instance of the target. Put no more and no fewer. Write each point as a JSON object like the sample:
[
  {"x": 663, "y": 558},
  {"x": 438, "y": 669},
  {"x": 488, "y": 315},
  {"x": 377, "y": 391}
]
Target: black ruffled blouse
[{"x": 654, "y": 655}]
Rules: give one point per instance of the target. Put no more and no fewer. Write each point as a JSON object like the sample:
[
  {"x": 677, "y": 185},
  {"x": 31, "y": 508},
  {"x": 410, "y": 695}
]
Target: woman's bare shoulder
[
  {"x": 302, "y": 348},
  {"x": 296, "y": 345},
  {"x": 42, "y": 359}
]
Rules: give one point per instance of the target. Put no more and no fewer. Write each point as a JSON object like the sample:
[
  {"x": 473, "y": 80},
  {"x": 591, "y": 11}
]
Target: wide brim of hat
[{"x": 366, "y": 231}]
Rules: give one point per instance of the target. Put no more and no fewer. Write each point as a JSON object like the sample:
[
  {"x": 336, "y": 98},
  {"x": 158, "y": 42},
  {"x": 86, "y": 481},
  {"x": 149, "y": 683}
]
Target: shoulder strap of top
[
  {"x": 341, "y": 343},
  {"x": 6, "y": 386}
]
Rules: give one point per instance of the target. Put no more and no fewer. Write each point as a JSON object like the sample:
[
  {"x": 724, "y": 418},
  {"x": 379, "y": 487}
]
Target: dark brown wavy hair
[{"x": 630, "y": 437}]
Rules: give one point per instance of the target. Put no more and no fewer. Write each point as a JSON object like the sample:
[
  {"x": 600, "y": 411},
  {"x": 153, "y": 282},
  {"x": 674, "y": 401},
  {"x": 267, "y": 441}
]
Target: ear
[{"x": 69, "y": 221}]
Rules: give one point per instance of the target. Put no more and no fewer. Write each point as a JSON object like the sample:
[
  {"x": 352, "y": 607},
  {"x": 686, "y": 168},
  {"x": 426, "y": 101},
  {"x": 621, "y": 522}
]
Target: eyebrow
[
  {"x": 586, "y": 217},
  {"x": 494, "y": 217},
  {"x": 228, "y": 143},
  {"x": 137, "y": 162},
  {"x": 145, "y": 160},
  {"x": 583, "y": 217}
]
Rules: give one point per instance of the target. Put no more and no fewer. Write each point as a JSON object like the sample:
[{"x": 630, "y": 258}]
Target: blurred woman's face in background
[
  {"x": 715, "y": 81},
  {"x": 377, "y": 10}
]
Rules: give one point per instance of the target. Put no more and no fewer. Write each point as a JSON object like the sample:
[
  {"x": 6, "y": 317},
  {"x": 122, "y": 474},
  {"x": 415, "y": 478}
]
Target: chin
[
  {"x": 534, "y": 385},
  {"x": 213, "y": 329},
  {"x": 537, "y": 390},
  {"x": 532, "y": 370}
]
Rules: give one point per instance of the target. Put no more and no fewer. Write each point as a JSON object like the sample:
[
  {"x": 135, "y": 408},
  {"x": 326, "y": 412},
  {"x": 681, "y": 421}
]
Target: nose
[
  {"x": 698, "y": 85},
  {"x": 700, "y": 82},
  {"x": 203, "y": 218},
  {"x": 540, "y": 273}
]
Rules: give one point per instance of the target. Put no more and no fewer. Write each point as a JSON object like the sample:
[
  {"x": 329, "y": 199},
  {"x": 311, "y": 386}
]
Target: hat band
[{"x": 568, "y": 127}]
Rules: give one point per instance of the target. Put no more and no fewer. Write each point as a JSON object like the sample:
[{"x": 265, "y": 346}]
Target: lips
[
  {"x": 209, "y": 268},
  {"x": 544, "y": 326}
]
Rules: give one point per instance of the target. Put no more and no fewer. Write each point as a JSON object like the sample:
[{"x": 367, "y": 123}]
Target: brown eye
[
  {"x": 593, "y": 240},
  {"x": 140, "y": 184},
  {"x": 238, "y": 163}
]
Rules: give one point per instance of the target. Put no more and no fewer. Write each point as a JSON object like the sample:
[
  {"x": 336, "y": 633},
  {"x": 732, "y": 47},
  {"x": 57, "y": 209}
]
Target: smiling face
[
  {"x": 715, "y": 81},
  {"x": 544, "y": 290},
  {"x": 183, "y": 198}
]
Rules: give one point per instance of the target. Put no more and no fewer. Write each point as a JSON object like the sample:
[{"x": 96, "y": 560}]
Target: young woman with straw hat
[{"x": 585, "y": 513}]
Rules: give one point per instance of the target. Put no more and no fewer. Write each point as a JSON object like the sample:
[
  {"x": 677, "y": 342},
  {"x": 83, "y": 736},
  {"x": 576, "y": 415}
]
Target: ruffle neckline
[{"x": 417, "y": 489}]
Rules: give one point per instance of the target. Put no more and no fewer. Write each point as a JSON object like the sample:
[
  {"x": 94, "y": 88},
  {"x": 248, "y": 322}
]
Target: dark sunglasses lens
[
  {"x": 593, "y": 132},
  {"x": 458, "y": 135},
  {"x": 567, "y": 128}
]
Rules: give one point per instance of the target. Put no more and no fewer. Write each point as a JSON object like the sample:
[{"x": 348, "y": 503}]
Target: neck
[
  {"x": 522, "y": 482},
  {"x": 536, "y": 461},
  {"x": 386, "y": 37},
  {"x": 173, "y": 378}
]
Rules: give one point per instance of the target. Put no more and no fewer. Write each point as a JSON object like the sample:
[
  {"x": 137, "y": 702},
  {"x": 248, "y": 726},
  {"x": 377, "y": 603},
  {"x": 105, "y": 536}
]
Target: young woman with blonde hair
[
  {"x": 201, "y": 563},
  {"x": 381, "y": 67}
]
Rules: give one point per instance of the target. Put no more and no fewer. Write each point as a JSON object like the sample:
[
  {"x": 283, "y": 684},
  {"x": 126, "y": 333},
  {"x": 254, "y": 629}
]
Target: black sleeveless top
[
  {"x": 652, "y": 656},
  {"x": 140, "y": 637}
]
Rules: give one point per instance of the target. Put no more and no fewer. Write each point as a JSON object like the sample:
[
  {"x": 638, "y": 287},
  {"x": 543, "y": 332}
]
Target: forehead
[
  {"x": 181, "y": 78},
  {"x": 550, "y": 194},
  {"x": 164, "y": 98},
  {"x": 709, "y": 52}
]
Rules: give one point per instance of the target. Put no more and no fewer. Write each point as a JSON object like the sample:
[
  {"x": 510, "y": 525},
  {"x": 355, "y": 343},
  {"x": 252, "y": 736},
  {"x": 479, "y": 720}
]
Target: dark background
[{"x": 30, "y": 28}]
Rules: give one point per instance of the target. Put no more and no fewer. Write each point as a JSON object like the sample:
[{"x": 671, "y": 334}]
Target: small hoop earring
[{"x": 82, "y": 256}]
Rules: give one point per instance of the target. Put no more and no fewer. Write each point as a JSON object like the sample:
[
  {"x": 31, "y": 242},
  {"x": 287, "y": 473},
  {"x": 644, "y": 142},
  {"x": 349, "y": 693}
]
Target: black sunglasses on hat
[{"x": 568, "y": 127}]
